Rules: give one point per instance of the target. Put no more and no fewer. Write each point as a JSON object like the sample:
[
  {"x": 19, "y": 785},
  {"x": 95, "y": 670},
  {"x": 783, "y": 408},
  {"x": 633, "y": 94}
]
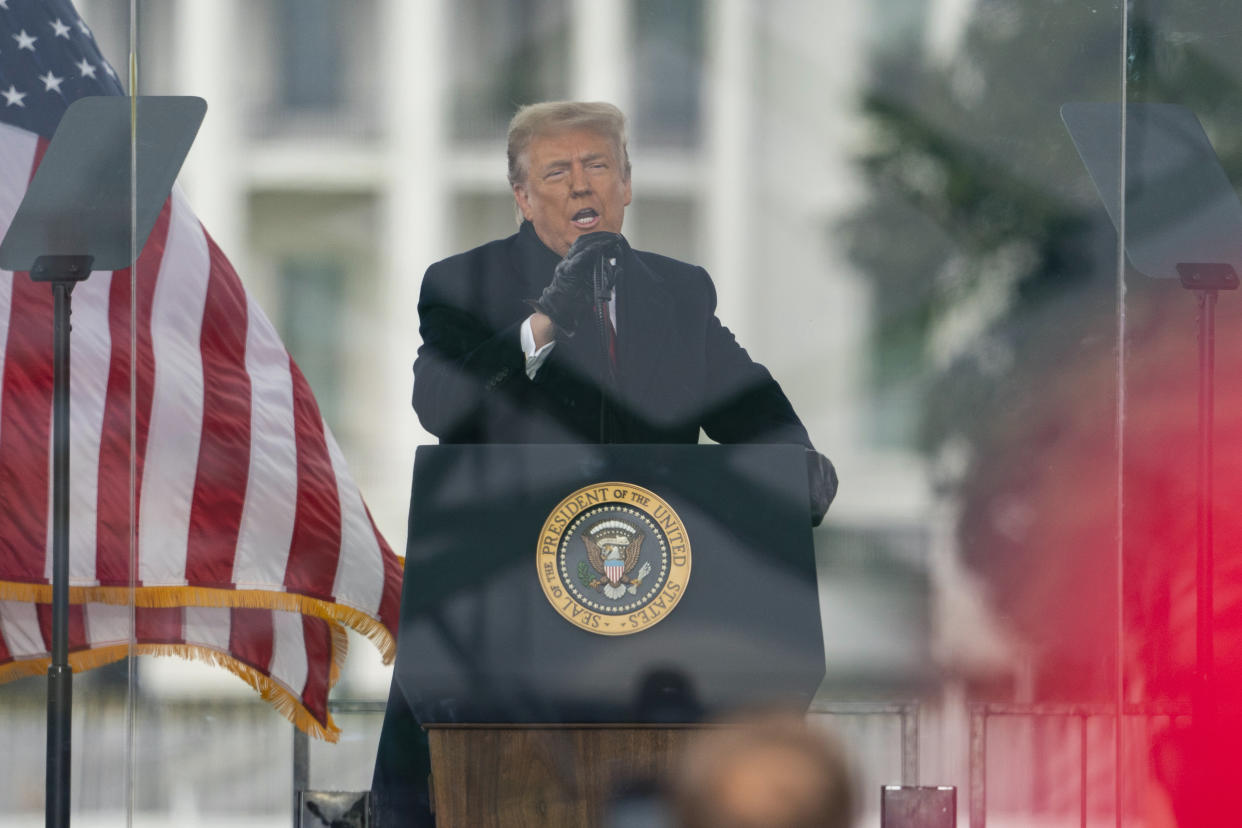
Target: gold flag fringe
[
  {"x": 189, "y": 596},
  {"x": 286, "y": 702}
]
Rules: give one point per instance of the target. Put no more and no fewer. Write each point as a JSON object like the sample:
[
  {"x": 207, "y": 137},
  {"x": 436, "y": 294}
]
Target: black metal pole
[
  {"x": 1205, "y": 657},
  {"x": 59, "y": 674},
  {"x": 1206, "y": 279},
  {"x": 301, "y": 771},
  {"x": 62, "y": 272},
  {"x": 1082, "y": 770}
]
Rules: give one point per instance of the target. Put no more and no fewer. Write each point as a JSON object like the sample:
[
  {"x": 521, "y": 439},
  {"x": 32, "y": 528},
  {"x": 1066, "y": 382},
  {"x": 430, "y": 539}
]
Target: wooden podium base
[{"x": 543, "y": 776}]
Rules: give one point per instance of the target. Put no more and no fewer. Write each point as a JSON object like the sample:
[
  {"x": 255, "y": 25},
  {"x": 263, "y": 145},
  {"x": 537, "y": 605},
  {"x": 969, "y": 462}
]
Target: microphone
[
  {"x": 605, "y": 275},
  {"x": 608, "y": 269}
]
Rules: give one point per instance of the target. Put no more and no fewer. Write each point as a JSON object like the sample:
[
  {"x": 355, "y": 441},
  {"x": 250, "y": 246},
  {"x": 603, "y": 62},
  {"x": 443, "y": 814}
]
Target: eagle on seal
[{"x": 613, "y": 548}]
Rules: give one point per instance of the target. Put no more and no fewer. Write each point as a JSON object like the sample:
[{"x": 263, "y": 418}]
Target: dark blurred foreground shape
[{"x": 774, "y": 771}]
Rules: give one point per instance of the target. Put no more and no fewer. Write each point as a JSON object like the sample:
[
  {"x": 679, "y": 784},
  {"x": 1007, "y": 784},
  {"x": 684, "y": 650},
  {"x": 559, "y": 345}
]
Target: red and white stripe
[
  {"x": 242, "y": 495},
  {"x": 294, "y": 652}
]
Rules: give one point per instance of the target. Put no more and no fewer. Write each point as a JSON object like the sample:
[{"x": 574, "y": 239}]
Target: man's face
[{"x": 575, "y": 184}]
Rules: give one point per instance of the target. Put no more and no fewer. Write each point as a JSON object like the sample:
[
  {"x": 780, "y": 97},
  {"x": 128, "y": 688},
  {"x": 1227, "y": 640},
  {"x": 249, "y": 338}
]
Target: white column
[
  {"x": 727, "y": 133},
  {"x": 211, "y": 175},
  {"x": 414, "y": 208},
  {"x": 599, "y": 58}
]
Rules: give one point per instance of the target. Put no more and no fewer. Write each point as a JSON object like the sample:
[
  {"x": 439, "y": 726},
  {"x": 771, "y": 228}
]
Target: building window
[
  {"x": 505, "y": 53},
  {"x": 312, "y": 292},
  {"x": 311, "y": 69},
  {"x": 311, "y": 54},
  {"x": 667, "y": 72},
  {"x": 666, "y": 224},
  {"x": 481, "y": 217}
]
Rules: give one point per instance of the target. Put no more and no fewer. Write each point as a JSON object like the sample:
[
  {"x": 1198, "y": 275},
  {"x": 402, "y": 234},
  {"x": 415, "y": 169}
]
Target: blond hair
[{"x": 534, "y": 120}]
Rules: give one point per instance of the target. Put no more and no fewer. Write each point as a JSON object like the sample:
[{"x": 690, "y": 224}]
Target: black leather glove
[
  {"x": 823, "y": 480},
  {"x": 571, "y": 292}
]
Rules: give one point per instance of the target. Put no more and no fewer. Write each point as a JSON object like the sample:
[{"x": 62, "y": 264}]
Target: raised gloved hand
[
  {"x": 823, "y": 479},
  {"x": 570, "y": 294}
]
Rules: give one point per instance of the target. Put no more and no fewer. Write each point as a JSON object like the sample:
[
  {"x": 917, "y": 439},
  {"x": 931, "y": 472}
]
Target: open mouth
[{"x": 586, "y": 217}]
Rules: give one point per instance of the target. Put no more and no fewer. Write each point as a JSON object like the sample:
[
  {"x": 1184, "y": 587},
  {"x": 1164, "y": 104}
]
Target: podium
[
  {"x": 545, "y": 775},
  {"x": 571, "y": 613}
]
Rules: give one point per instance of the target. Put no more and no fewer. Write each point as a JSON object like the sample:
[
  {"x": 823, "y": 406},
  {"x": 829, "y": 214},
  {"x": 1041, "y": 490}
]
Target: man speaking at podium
[{"x": 563, "y": 333}]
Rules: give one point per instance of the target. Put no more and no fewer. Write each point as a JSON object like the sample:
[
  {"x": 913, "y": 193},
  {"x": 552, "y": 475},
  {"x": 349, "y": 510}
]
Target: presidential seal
[{"x": 613, "y": 558}]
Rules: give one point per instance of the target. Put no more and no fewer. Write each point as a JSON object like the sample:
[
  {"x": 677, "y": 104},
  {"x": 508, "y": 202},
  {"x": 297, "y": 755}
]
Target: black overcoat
[{"x": 677, "y": 368}]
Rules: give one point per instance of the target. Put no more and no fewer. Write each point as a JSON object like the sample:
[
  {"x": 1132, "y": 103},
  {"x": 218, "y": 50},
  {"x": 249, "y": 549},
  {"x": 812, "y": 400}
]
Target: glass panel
[
  {"x": 258, "y": 558},
  {"x": 49, "y": 60},
  {"x": 1184, "y": 167},
  {"x": 958, "y": 219},
  {"x": 897, "y": 223}
]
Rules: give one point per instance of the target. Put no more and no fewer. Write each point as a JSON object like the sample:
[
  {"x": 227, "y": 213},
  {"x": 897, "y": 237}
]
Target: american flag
[{"x": 254, "y": 549}]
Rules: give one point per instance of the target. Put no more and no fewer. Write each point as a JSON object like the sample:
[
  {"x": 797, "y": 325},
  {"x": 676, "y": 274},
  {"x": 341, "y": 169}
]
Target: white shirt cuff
[{"x": 535, "y": 357}]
